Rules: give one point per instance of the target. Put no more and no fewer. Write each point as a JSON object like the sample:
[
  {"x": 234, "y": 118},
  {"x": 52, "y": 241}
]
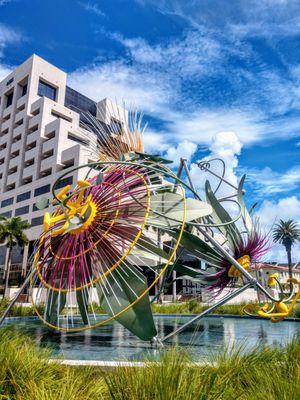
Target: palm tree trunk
[
  {"x": 7, "y": 269},
  {"x": 289, "y": 256}
]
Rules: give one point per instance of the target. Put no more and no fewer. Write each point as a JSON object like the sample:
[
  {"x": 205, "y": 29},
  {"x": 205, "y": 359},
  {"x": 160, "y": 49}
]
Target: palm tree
[
  {"x": 287, "y": 233},
  {"x": 12, "y": 234}
]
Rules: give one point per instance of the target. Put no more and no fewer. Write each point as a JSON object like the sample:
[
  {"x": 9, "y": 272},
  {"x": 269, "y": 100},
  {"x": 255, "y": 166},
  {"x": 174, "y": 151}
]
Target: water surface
[{"x": 112, "y": 342}]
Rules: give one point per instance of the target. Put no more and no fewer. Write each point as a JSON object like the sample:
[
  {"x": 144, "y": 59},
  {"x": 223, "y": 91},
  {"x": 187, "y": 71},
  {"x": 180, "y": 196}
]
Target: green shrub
[{"x": 263, "y": 374}]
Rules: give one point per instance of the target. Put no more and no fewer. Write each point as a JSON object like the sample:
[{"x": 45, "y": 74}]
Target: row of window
[
  {"x": 10, "y": 96},
  {"x": 37, "y": 192},
  {"x": 44, "y": 89},
  {"x": 34, "y": 222}
]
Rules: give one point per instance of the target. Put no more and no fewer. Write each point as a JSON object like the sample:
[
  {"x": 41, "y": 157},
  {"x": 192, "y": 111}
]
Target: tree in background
[
  {"x": 287, "y": 233},
  {"x": 12, "y": 234}
]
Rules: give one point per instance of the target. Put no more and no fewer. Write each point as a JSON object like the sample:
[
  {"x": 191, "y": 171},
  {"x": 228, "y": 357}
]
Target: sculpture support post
[
  {"x": 14, "y": 300},
  {"x": 210, "y": 309}
]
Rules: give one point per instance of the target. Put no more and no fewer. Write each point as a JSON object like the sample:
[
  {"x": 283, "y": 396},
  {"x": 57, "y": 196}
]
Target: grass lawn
[
  {"x": 267, "y": 374},
  {"x": 186, "y": 307}
]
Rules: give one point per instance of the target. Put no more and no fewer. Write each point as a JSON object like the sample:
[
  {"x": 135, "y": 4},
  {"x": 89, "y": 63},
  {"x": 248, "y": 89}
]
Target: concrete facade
[{"x": 40, "y": 139}]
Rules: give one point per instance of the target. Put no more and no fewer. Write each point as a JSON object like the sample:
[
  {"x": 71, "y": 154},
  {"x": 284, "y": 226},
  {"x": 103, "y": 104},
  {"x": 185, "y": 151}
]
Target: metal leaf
[
  {"x": 99, "y": 178},
  {"x": 171, "y": 206},
  {"x": 42, "y": 203},
  {"x": 82, "y": 297},
  {"x": 221, "y": 216},
  {"x": 245, "y": 214},
  {"x": 197, "y": 247},
  {"x": 138, "y": 319}
]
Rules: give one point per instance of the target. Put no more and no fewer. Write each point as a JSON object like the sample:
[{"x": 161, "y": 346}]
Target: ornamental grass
[{"x": 262, "y": 374}]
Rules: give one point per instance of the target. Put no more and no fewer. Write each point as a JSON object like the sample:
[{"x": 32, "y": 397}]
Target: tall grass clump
[
  {"x": 263, "y": 374},
  {"x": 26, "y": 374},
  {"x": 268, "y": 374}
]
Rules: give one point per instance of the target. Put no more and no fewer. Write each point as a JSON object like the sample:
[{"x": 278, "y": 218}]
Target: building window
[
  {"x": 9, "y": 99},
  {"x": 46, "y": 90},
  {"x": 37, "y": 221},
  {"x": 64, "y": 182},
  {"x": 23, "y": 196},
  {"x": 24, "y": 90},
  {"x": 80, "y": 103},
  {"x": 78, "y": 139},
  {"x": 42, "y": 190},
  {"x": 7, "y": 202},
  {"x": 22, "y": 210},
  {"x": 6, "y": 214}
]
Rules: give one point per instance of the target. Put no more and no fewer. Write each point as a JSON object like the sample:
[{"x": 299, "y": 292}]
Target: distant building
[{"x": 42, "y": 135}]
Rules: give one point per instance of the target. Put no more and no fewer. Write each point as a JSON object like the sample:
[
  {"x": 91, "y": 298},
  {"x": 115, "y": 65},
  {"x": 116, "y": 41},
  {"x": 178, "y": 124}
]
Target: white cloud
[
  {"x": 92, "y": 7},
  {"x": 7, "y": 36},
  {"x": 252, "y": 18},
  {"x": 123, "y": 82},
  {"x": 152, "y": 78},
  {"x": 271, "y": 212},
  {"x": 4, "y": 71},
  {"x": 267, "y": 182},
  {"x": 193, "y": 54},
  {"x": 155, "y": 142},
  {"x": 184, "y": 149}
]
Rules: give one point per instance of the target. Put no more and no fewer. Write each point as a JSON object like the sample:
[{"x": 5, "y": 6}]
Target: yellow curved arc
[
  {"x": 101, "y": 323},
  {"x": 117, "y": 263}
]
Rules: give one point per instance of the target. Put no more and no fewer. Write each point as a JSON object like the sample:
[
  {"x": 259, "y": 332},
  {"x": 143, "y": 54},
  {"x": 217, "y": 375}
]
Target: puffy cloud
[
  {"x": 4, "y": 71},
  {"x": 184, "y": 149},
  {"x": 7, "y": 36},
  {"x": 265, "y": 182}
]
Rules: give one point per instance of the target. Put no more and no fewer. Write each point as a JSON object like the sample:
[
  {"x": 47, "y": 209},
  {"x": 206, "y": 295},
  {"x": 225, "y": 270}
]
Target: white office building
[{"x": 41, "y": 137}]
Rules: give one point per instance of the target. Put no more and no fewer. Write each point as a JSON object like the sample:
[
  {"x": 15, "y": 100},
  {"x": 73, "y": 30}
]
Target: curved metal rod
[
  {"x": 205, "y": 165},
  {"x": 166, "y": 172}
]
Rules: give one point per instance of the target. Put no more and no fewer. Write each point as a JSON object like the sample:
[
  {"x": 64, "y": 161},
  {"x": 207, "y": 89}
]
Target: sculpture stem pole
[
  {"x": 210, "y": 309},
  {"x": 14, "y": 300}
]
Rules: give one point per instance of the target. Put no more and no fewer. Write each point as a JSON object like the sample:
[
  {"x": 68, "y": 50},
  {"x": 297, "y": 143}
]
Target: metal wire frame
[
  {"x": 251, "y": 281},
  {"x": 203, "y": 228}
]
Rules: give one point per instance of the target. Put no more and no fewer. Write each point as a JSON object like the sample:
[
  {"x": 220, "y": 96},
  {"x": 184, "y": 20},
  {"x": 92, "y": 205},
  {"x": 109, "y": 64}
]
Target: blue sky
[{"x": 219, "y": 78}]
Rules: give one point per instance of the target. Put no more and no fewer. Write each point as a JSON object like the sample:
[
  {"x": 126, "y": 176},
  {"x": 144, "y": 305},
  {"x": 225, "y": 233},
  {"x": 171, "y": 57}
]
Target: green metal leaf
[
  {"x": 197, "y": 247},
  {"x": 154, "y": 157},
  {"x": 150, "y": 249},
  {"x": 55, "y": 303},
  {"x": 171, "y": 205},
  {"x": 82, "y": 297},
  {"x": 42, "y": 203},
  {"x": 138, "y": 319},
  {"x": 99, "y": 178},
  {"x": 221, "y": 216},
  {"x": 251, "y": 209},
  {"x": 245, "y": 214},
  {"x": 189, "y": 271}
]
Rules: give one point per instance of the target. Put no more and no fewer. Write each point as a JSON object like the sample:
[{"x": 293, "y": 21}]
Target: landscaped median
[
  {"x": 266, "y": 374},
  {"x": 185, "y": 307}
]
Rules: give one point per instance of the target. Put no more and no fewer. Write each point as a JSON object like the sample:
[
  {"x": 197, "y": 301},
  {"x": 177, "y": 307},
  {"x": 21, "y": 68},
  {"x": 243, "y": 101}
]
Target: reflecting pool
[{"x": 112, "y": 342}]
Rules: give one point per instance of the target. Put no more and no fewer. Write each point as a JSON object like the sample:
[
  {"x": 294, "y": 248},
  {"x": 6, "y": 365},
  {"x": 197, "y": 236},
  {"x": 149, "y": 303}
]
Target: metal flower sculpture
[
  {"x": 99, "y": 245},
  {"x": 127, "y": 225},
  {"x": 244, "y": 242}
]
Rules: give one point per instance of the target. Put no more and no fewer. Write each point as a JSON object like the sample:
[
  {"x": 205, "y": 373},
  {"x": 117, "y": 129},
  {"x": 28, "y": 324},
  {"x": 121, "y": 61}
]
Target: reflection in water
[{"x": 206, "y": 337}]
